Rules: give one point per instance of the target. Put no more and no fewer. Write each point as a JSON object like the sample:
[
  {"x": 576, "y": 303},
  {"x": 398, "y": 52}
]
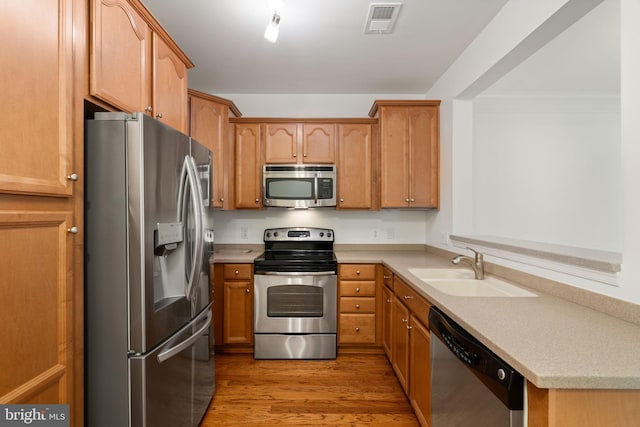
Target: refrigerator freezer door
[{"x": 173, "y": 385}]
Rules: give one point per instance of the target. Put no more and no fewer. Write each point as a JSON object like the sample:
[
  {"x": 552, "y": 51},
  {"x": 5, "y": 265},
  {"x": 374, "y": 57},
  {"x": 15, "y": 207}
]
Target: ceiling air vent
[{"x": 381, "y": 18}]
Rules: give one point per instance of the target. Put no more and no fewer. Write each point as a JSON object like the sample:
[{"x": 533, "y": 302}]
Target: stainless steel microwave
[{"x": 299, "y": 186}]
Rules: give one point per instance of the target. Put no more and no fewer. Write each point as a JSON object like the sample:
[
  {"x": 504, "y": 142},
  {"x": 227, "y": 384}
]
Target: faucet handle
[{"x": 477, "y": 254}]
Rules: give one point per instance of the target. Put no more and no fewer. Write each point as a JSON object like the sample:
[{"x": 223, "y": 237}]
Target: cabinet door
[
  {"x": 248, "y": 171},
  {"x": 419, "y": 371},
  {"x": 387, "y": 301},
  {"x": 423, "y": 157},
  {"x": 281, "y": 143},
  {"x": 120, "y": 56},
  {"x": 354, "y": 166},
  {"x": 394, "y": 177},
  {"x": 169, "y": 86},
  {"x": 400, "y": 343},
  {"x": 36, "y": 112},
  {"x": 208, "y": 126},
  {"x": 318, "y": 143},
  {"x": 238, "y": 312},
  {"x": 37, "y": 310}
]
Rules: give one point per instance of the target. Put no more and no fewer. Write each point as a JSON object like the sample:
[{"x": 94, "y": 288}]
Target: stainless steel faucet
[{"x": 476, "y": 264}]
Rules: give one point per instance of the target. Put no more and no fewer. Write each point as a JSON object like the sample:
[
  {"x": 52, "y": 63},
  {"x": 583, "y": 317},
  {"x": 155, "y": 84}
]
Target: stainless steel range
[{"x": 295, "y": 310}]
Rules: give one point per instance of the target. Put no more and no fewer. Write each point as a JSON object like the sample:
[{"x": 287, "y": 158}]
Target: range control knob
[
  {"x": 501, "y": 374},
  {"x": 275, "y": 234},
  {"x": 269, "y": 234},
  {"x": 329, "y": 235},
  {"x": 322, "y": 234}
]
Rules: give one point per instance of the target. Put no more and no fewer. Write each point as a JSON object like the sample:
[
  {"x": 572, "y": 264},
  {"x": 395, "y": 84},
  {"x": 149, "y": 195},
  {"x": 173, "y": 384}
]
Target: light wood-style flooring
[{"x": 353, "y": 390}]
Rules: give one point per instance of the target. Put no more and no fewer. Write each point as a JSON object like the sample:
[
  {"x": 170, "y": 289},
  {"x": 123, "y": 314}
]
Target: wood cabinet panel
[
  {"x": 281, "y": 142},
  {"x": 424, "y": 156},
  {"x": 355, "y": 166},
  {"x": 318, "y": 143},
  {"x": 420, "y": 371},
  {"x": 36, "y": 112},
  {"x": 248, "y": 167},
  {"x": 357, "y": 328},
  {"x": 120, "y": 55},
  {"x": 387, "y": 325},
  {"x": 415, "y": 302},
  {"x": 238, "y": 312},
  {"x": 169, "y": 93},
  {"x": 45, "y": 290},
  {"x": 394, "y": 157},
  {"x": 400, "y": 343}
]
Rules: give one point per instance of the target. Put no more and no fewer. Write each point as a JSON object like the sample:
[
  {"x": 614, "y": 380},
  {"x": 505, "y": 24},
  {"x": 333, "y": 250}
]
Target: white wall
[{"x": 518, "y": 30}]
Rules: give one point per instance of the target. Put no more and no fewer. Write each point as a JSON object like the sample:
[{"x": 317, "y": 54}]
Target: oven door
[{"x": 295, "y": 303}]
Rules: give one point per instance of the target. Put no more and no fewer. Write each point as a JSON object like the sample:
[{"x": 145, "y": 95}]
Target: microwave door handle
[{"x": 315, "y": 189}]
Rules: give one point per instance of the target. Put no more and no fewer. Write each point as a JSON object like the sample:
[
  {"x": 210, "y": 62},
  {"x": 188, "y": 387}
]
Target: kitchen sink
[
  {"x": 427, "y": 274},
  {"x": 488, "y": 287}
]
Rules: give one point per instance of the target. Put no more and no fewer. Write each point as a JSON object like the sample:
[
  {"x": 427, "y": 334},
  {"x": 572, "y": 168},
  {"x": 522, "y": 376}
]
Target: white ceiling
[{"x": 322, "y": 47}]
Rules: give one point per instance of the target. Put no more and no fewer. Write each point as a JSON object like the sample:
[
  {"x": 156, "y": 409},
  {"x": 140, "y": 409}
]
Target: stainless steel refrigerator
[{"x": 149, "y": 235}]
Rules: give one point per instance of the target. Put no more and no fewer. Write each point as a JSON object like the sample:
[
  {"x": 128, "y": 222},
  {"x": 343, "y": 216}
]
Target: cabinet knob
[
  {"x": 72, "y": 230},
  {"x": 413, "y": 200},
  {"x": 406, "y": 200},
  {"x": 257, "y": 200},
  {"x": 247, "y": 290},
  {"x": 72, "y": 177},
  {"x": 341, "y": 200},
  {"x": 236, "y": 272},
  {"x": 389, "y": 300},
  {"x": 148, "y": 109},
  {"x": 159, "y": 116},
  {"x": 409, "y": 326},
  {"x": 358, "y": 272},
  {"x": 295, "y": 155},
  {"x": 404, "y": 320},
  {"x": 408, "y": 297},
  {"x": 222, "y": 199},
  {"x": 357, "y": 305},
  {"x": 304, "y": 155},
  {"x": 386, "y": 277},
  {"x": 357, "y": 329},
  {"x": 357, "y": 289}
]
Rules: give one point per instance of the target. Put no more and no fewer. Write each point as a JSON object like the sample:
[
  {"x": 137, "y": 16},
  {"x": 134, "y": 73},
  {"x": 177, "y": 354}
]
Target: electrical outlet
[
  {"x": 244, "y": 233},
  {"x": 375, "y": 234}
]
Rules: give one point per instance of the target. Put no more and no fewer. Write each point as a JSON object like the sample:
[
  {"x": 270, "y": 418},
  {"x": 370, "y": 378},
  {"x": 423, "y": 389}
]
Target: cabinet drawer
[
  {"x": 357, "y": 272},
  {"x": 237, "y": 271},
  {"x": 357, "y": 328},
  {"x": 414, "y": 302},
  {"x": 357, "y": 305},
  {"x": 357, "y": 288}
]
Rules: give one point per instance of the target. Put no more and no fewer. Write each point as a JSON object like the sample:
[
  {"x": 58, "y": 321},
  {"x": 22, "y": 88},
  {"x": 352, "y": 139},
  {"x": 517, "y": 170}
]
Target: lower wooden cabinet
[
  {"x": 233, "y": 307},
  {"x": 410, "y": 346}
]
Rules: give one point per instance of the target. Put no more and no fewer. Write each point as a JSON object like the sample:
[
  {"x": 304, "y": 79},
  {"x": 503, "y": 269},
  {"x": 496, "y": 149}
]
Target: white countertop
[{"x": 553, "y": 342}]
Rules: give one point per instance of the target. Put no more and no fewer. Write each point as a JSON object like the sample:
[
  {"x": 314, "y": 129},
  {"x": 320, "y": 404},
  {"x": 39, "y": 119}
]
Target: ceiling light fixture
[{"x": 271, "y": 33}]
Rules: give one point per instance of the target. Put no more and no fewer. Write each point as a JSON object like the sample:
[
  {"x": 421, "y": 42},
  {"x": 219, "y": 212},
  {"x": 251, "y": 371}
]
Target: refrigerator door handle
[
  {"x": 172, "y": 351},
  {"x": 198, "y": 208}
]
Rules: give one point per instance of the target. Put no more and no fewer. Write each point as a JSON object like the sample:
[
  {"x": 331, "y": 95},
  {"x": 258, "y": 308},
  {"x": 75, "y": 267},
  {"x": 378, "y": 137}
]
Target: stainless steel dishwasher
[{"x": 470, "y": 385}]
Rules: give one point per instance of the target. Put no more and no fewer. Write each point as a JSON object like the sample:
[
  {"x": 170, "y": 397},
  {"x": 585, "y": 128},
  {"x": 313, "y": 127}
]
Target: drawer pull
[
  {"x": 358, "y": 272},
  {"x": 357, "y": 289},
  {"x": 389, "y": 300},
  {"x": 404, "y": 320},
  {"x": 408, "y": 297},
  {"x": 386, "y": 277},
  {"x": 357, "y": 305},
  {"x": 409, "y": 326},
  {"x": 247, "y": 290},
  {"x": 357, "y": 329},
  {"x": 236, "y": 272}
]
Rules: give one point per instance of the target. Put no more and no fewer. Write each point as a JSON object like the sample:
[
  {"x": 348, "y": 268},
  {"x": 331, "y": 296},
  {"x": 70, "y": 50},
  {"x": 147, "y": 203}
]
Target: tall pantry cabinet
[{"x": 41, "y": 202}]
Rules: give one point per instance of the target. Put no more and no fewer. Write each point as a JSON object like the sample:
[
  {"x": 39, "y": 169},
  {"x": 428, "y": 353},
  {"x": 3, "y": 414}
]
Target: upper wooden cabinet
[
  {"x": 355, "y": 179},
  {"x": 247, "y": 166},
  {"x": 134, "y": 64},
  {"x": 409, "y": 141},
  {"x": 36, "y": 112},
  {"x": 209, "y": 125},
  {"x": 299, "y": 142}
]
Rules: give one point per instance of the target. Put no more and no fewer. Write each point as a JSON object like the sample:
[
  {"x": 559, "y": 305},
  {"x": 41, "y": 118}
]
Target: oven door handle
[{"x": 295, "y": 273}]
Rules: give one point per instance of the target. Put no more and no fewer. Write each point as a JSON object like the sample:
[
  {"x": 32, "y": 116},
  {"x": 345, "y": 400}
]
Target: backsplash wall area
[{"x": 351, "y": 227}]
